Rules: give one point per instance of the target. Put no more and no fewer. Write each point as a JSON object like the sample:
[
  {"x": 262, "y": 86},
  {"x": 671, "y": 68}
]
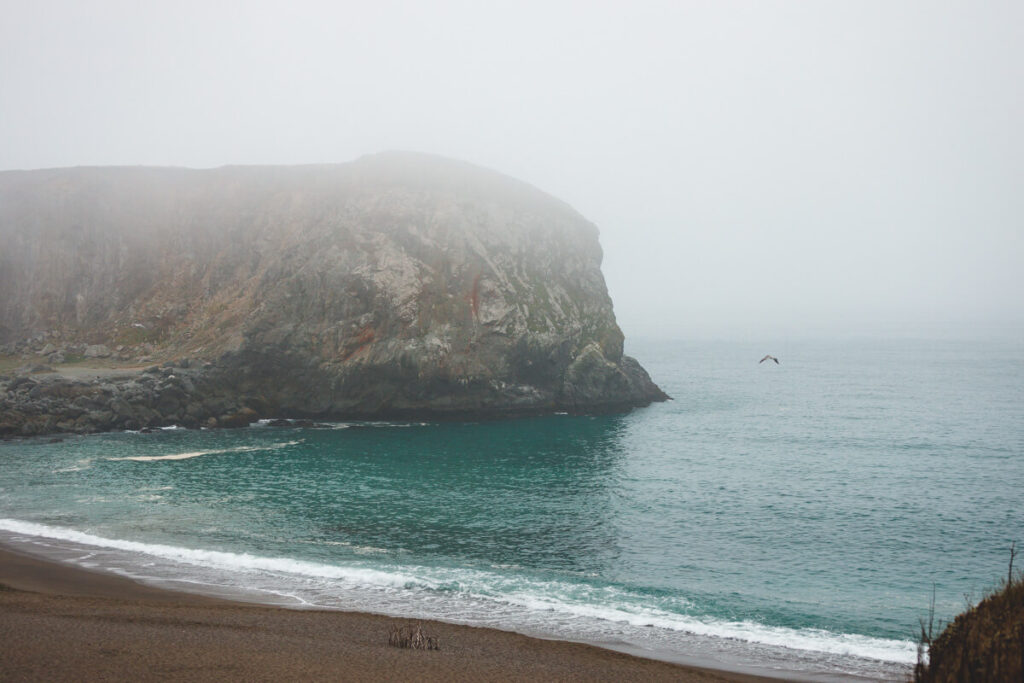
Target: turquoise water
[{"x": 788, "y": 518}]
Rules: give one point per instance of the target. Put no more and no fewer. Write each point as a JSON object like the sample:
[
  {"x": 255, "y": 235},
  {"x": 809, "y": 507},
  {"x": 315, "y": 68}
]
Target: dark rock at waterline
[
  {"x": 52, "y": 403},
  {"x": 242, "y": 418},
  {"x": 302, "y": 424},
  {"x": 399, "y": 285}
]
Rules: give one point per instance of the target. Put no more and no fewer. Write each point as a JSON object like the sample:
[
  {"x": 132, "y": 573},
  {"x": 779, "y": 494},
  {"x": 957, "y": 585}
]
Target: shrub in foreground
[{"x": 985, "y": 643}]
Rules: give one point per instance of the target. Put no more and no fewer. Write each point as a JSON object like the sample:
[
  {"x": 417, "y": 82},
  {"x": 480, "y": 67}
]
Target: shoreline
[
  {"x": 60, "y": 620},
  {"x": 95, "y": 398}
]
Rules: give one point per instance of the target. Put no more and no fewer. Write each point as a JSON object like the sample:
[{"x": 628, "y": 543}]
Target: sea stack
[{"x": 398, "y": 285}]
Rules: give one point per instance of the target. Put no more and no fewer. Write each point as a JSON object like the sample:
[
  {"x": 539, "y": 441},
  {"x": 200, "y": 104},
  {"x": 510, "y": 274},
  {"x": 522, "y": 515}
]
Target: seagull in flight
[{"x": 769, "y": 357}]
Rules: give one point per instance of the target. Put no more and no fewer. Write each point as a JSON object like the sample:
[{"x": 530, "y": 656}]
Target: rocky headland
[{"x": 399, "y": 285}]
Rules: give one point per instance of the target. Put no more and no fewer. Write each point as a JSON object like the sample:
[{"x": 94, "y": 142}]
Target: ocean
[{"x": 789, "y": 519}]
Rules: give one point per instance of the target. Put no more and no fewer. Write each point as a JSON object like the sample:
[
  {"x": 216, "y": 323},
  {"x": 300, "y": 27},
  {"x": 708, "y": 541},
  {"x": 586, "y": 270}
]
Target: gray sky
[{"x": 755, "y": 168}]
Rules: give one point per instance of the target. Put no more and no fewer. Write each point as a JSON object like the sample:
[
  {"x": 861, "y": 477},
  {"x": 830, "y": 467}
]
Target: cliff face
[{"x": 397, "y": 284}]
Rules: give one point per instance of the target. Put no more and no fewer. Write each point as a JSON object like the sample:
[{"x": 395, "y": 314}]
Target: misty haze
[{"x": 692, "y": 330}]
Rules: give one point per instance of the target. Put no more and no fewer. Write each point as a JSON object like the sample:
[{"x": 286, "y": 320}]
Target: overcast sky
[{"x": 755, "y": 168}]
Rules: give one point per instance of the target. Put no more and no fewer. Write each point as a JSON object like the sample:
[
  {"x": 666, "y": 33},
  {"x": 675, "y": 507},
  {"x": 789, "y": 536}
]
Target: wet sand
[{"x": 59, "y": 622}]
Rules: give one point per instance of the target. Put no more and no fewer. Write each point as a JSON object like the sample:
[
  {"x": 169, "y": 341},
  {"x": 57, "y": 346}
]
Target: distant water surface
[{"x": 788, "y": 519}]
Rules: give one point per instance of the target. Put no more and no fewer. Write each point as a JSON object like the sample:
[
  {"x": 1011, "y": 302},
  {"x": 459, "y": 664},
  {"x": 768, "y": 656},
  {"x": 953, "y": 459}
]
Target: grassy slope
[{"x": 985, "y": 643}]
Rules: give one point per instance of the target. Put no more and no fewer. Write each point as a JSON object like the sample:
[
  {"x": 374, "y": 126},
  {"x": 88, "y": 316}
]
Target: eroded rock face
[{"x": 399, "y": 284}]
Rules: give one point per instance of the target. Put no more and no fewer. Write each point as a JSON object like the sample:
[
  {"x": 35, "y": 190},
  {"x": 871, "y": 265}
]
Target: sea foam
[
  {"x": 196, "y": 454},
  {"x": 536, "y": 602}
]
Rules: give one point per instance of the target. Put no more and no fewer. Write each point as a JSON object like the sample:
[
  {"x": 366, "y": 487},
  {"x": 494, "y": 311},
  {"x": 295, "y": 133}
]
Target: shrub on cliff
[{"x": 985, "y": 643}]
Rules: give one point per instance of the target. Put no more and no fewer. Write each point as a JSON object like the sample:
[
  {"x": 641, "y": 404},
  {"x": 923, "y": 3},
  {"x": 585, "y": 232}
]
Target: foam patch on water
[
  {"x": 358, "y": 549},
  {"x": 79, "y": 465},
  {"x": 196, "y": 454},
  {"x": 470, "y": 594},
  {"x": 377, "y": 424}
]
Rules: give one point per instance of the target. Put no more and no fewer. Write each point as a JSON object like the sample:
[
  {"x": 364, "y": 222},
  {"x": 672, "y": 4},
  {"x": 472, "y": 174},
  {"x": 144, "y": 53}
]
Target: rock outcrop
[{"x": 397, "y": 285}]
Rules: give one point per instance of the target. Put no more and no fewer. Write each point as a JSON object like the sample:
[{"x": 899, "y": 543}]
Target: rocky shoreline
[
  {"x": 47, "y": 402},
  {"x": 38, "y": 400}
]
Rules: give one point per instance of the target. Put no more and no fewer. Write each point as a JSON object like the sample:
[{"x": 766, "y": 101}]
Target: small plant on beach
[
  {"x": 411, "y": 637},
  {"x": 985, "y": 643}
]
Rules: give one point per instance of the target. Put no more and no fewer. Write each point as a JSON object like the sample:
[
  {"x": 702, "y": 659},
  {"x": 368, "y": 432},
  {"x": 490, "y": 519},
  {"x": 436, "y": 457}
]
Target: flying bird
[{"x": 769, "y": 357}]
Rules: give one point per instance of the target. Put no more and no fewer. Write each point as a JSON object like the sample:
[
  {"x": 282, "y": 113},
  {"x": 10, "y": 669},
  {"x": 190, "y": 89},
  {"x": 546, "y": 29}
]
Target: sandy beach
[{"x": 60, "y": 622}]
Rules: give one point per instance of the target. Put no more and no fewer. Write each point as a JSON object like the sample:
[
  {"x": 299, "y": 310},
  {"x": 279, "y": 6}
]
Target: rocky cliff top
[{"x": 396, "y": 284}]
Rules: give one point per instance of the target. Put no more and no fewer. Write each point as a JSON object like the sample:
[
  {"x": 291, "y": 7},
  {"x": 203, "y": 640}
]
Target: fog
[{"x": 755, "y": 168}]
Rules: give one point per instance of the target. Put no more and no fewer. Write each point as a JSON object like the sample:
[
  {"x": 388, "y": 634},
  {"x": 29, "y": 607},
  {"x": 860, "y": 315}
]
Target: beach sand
[{"x": 59, "y": 622}]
